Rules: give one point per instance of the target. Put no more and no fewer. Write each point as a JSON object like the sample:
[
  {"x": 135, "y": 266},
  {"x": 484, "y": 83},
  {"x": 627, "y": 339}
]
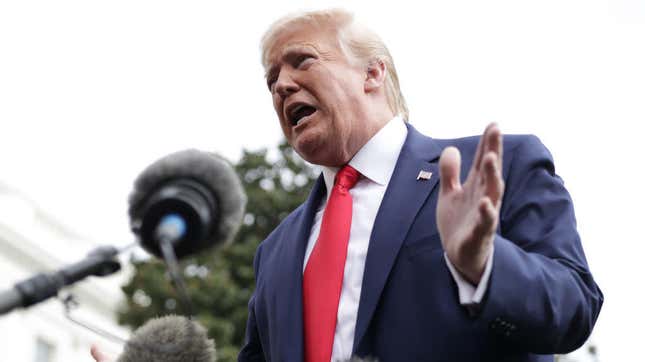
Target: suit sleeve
[
  {"x": 542, "y": 297},
  {"x": 252, "y": 349}
]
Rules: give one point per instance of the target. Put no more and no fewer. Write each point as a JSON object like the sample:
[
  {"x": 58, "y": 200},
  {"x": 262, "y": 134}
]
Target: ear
[{"x": 375, "y": 75}]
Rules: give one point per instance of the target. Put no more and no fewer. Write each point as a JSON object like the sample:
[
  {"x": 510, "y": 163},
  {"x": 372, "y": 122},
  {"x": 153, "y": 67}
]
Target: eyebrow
[{"x": 290, "y": 51}]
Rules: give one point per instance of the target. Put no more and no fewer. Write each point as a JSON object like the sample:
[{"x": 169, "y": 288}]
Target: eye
[
  {"x": 272, "y": 77},
  {"x": 304, "y": 60},
  {"x": 270, "y": 82}
]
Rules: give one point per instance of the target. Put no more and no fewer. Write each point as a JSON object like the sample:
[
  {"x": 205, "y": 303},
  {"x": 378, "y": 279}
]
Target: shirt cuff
[{"x": 469, "y": 294}]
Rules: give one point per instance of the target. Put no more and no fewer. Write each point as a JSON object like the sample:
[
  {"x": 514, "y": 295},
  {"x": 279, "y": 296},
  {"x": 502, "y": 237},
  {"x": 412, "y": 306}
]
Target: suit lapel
[
  {"x": 402, "y": 201},
  {"x": 290, "y": 310}
]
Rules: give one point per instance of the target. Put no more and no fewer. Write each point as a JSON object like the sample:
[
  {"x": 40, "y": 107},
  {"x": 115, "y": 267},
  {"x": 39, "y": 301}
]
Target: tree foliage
[{"x": 220, "y": 282}]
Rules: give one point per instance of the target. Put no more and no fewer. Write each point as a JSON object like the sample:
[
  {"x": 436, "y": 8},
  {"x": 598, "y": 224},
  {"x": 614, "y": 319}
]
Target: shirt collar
[{"x": 377, "y": 158}]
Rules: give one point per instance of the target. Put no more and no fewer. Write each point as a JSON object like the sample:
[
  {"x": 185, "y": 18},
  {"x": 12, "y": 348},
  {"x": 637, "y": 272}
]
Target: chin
[
  {"x": 315, "y": 149},
  {"x": 322, "y": 158},
  {"x": 317, "y": 156},
  {"x": 308, "y": 147}
]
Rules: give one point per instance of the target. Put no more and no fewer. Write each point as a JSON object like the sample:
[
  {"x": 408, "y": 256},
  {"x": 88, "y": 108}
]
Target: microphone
[
  {"x": 181, "y": 204},
  {"x": 101, "y": 261},
  {"x": 191, "y": 198},
  {"x": 169, "y": 339}
]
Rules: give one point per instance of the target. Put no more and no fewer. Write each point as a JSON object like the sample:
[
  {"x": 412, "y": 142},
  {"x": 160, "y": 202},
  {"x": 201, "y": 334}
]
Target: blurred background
[{"x": 92, "y": 92}]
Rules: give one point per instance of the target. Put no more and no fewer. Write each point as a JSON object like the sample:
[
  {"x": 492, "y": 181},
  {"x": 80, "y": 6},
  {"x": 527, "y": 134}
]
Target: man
[{"x": 404, "y": 252}]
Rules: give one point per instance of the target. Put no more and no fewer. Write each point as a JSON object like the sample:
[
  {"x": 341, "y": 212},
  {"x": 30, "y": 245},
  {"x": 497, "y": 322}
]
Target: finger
[
  {"x": 492, "y": 178},
  {"x": 483, "y": 145},
  {"x": 97, "y": 354},
  {"x": 487, "y": 220},
  {"x": 449, "y": 169},
  {"x": 479, "y": 154},
  {"x": 494, "y": 141}
]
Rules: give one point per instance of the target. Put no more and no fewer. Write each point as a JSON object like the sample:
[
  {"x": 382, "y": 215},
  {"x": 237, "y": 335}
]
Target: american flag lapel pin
[{"x": 424, "y": 175}]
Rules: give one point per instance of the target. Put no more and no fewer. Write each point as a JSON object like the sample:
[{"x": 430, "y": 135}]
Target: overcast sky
[{"x": 92, "y": 92}]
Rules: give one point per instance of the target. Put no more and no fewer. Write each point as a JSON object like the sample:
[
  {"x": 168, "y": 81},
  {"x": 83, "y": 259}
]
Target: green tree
[
  {"x": 220, "y": 282},
  {"x": 588, "y": 350}
]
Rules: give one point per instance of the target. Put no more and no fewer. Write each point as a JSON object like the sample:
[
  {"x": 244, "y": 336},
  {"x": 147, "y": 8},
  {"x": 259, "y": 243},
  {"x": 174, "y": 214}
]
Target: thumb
[
  {"x": 449, "y": 168},
  {"x": 98, "y": 355}
]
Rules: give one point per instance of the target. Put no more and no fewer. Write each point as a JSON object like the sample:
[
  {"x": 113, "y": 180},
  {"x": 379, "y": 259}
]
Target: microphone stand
[
  {"x": 175, "y": 276},
  {"x": 70, "y": 303}
]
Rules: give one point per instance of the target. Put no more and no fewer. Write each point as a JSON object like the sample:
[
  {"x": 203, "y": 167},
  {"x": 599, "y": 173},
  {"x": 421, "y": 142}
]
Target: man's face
[{"x": 318, "y": 95}]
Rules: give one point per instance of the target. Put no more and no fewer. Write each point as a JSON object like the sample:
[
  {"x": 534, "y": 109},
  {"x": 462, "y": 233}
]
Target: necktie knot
[{"x": 347, "y": 177}]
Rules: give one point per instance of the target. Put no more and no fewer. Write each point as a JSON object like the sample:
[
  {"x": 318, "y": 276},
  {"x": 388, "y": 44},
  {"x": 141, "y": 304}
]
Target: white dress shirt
[{"x": 375, "y": 161}]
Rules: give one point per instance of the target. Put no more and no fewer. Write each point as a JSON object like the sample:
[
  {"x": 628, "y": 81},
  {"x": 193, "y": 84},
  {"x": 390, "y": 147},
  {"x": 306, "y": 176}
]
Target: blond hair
[{"x": 356, "y": 41}]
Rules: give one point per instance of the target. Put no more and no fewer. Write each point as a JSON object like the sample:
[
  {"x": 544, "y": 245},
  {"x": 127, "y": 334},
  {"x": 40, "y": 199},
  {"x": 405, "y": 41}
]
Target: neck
[{"x": 375, "y": 121}]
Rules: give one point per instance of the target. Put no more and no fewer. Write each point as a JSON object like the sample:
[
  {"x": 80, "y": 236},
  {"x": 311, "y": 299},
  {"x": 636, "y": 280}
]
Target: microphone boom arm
[{"x": 99, "y": 262}]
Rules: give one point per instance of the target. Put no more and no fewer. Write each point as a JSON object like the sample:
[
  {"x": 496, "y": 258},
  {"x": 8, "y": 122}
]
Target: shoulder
[
  {"x": 520, "y": 151},
  {"x": 512, "y": 143}
]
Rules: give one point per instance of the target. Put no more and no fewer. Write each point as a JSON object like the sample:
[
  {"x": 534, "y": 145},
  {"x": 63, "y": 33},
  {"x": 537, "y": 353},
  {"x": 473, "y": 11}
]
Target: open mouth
[{"x": 299, "y": 113}]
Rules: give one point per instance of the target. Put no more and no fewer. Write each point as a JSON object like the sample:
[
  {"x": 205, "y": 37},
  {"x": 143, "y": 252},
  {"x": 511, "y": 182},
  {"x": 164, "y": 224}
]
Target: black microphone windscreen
[
  {"x": 169, "y": 339},
  {"x": 209, "y": 169}
]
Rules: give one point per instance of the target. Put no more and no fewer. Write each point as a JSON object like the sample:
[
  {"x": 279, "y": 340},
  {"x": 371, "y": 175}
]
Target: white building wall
[{"x": 31, "y": 241}]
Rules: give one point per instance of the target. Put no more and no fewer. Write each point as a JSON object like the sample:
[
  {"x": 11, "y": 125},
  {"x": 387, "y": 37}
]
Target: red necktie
[{"x": 323, "y": 276}]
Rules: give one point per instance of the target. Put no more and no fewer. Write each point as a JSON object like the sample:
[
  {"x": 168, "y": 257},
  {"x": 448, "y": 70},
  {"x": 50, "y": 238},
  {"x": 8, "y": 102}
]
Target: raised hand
[{"x": 468, "y": 213}]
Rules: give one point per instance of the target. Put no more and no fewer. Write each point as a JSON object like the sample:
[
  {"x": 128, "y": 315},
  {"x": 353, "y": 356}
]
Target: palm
[{"x": 468, "y": 213}]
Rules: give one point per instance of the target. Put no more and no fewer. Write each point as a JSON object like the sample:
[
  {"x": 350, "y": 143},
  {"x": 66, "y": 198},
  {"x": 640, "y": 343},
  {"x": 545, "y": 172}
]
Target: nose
[{"x": 285, "y": 84}]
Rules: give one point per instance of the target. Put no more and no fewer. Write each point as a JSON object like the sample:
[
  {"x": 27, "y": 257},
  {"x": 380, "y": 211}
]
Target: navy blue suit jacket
[{"x": 541, "y": 297}]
